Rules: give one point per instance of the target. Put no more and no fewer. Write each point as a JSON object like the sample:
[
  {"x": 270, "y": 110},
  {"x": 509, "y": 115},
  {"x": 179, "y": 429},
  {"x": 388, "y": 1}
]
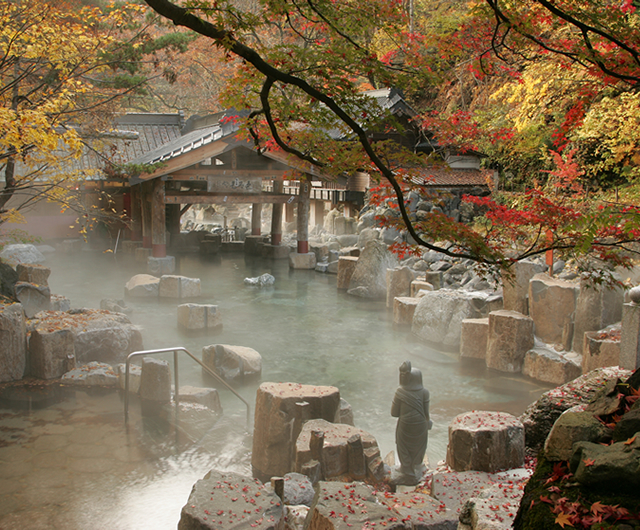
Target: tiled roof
[{"x": 447, "y": 177}]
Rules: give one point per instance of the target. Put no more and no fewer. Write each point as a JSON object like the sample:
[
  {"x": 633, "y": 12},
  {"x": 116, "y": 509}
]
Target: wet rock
[
  {"x": 135, "y": 373},
  {"x": 229, "y": 500},
  {"x": 207, "y": 397},
  {"x": 34, "y": 298},
  {"x": 21, "y": 253},
  {"x": 142, "y": 286},
  {"x": 516, "y": 286},
  {"x": 164, "y": 265},
  {"x": 573, "y": 425},
  {"x": 334, "y": 454},
  {"x": 99, "y": 335},
  {"x": 33, "y": 273},
  {"x": 369, "y": 279},
  {"x": 115, "y": 306},
  {"x": 298, "y": 489},
  {"x": 51, "y": 353},
  {"x": 264, "y": 280},
  {"x": 346, "y": 267},
  {"x": 171, "y": 286},
  {"x": 540, "y": 416},
  {"x": 155, "y": 381},
  {"x": 552, "y": 305},
  {"x": 473, "y": 338},
  {"x": 439, "y": 315},
  {"x": 232, "y": 363},
  {"x": 545, "y": 364},
  {"x": 399, "y": 281},
  {"x": 510, "y": 337},
  {"x": 306, "y": 261},
  {"x": 493, "y": 509},
  {"x": 281, "y": 408},
  {"x": 13, "y": 342},
  {"x": 91, "y": 374},
  {"x": 199, "y": 317},
  {"x": 296, "y": 516},
  {"x": 485, "y": 441},
  {"x": 420, "y": 285}
]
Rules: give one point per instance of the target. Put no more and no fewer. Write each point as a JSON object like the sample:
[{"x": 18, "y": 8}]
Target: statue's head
[{"x": 410, "y": 378}]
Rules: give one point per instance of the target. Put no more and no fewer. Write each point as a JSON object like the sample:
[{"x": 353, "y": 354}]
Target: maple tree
[
  {"x": 63, "y": 70},
  {"x": 304, "y": 66}
]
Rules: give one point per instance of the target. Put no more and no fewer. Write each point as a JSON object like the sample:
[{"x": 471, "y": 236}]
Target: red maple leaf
[
  {"x": 630, "y": 440},
  {"x": 589, "y": 462}
]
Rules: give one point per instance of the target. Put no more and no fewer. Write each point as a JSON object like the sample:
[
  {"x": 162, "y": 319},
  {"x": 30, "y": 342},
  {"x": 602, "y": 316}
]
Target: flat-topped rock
[
  {"x": 34, "y": 298},
  {"x": 404, "y": 308},
  {"x": 98, "y": 335},
  {"x": 229, "y": 500},
  {"x": 199, "y": 317},
  {"x": 346, "y": 266},
  {"x": 13, "y": 341},
  {"x": 552, "y": 305},
  {"x": 335, "y": 450},
  {"x": 485, "y": 441},
  {"x": 172, "y": 286},
  {"x": 51, "y": 353},
  {"x": 510, "y": 337},
  {"x": 207, "y": 397},
  {"x": 33, "y": 273},
  {"x": 474, "y": 337},
  {"x": 281, "y": 409},
  {"x": 21, "y": 253},
  {"x": 91, "y": 374},
  {"x": 550, "y": 366}
]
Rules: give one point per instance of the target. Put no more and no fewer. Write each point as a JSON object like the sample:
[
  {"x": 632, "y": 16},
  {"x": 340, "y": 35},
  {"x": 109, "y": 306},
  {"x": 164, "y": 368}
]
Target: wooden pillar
[
  {"x": 145, "y": 204},
  {"x": 173, "y": 222},
  {"x": 158, "y": 220},
  {"x": 136, "y": 214},
  {"x": 256, "y": 219},
  {"x": 303, "y": 216},
  {"x": 276, "y": 216}
]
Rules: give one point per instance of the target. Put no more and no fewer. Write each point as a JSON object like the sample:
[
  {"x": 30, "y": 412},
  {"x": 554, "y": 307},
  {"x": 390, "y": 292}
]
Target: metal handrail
[{"x": 175, "y": 371}]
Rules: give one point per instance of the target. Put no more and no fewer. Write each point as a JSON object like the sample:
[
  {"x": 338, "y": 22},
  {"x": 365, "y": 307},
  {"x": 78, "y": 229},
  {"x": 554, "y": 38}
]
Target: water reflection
[{"x": 74, "y": 465}]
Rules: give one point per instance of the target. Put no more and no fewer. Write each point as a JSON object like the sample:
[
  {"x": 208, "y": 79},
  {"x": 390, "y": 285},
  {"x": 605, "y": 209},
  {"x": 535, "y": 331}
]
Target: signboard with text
[{"x": 234, "y": 185}]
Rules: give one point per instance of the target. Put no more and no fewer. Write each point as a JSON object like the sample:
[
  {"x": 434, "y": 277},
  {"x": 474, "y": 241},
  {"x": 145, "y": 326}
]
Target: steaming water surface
[{"x": 74, "y": 465}]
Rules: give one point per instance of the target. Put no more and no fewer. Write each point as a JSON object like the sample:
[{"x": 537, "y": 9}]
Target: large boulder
[
  {"x": 21, "y": 253},
  {"x": 33, "y": 273},
  {"x": 616, "y": 466},
  {"x": 91, "y": 374},
  {"x": 473, "y": 338},
  {"x": 573, "y": 425},
  {"x": 232, "y": 363},
  {"x": 8, "y": 279},
  {"x": 600, "y": 349},
  {"x": 51, "y": 353},
  {"x": 336, "y": 453},
  {"x": 485, "y": 441},
  {"x": 34, "y": 298},
  {"x": 229, "y": 500},
  {"x": 439, "y": 314},
  {"x": 540, "y": 416},
  {"x": 281, "y": 409},
  {"x": 98, "y": 335},
  {"x": 369, "y": 279},
  {"x": 13, "y": 343},
  {"x": 346, "y": 267},
  {"x": 545, "y": 364},
  {"x": 142, "y": 286},
  {"x": 552, "y": 305},
  {"x": 515, "y": 285}
]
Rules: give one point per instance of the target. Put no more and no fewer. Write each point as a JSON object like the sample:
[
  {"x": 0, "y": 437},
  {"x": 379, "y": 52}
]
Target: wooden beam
[
  {"x": 203, "y": 174},
  {"x": 174, "y": 198}
]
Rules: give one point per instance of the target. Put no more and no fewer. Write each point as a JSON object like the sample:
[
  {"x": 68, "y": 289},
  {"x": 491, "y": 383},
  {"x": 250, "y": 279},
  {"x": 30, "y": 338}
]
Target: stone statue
[{"x": 411, "y": 406}]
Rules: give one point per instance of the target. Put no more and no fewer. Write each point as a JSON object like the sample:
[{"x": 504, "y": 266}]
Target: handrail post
[
  {"x": 175, "y": 370},
  {"x": 126, "y": 390}
]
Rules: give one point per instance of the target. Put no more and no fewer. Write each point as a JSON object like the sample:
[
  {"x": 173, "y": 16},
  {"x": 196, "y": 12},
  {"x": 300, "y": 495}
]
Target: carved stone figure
[{"x": 411, "y": 406}]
